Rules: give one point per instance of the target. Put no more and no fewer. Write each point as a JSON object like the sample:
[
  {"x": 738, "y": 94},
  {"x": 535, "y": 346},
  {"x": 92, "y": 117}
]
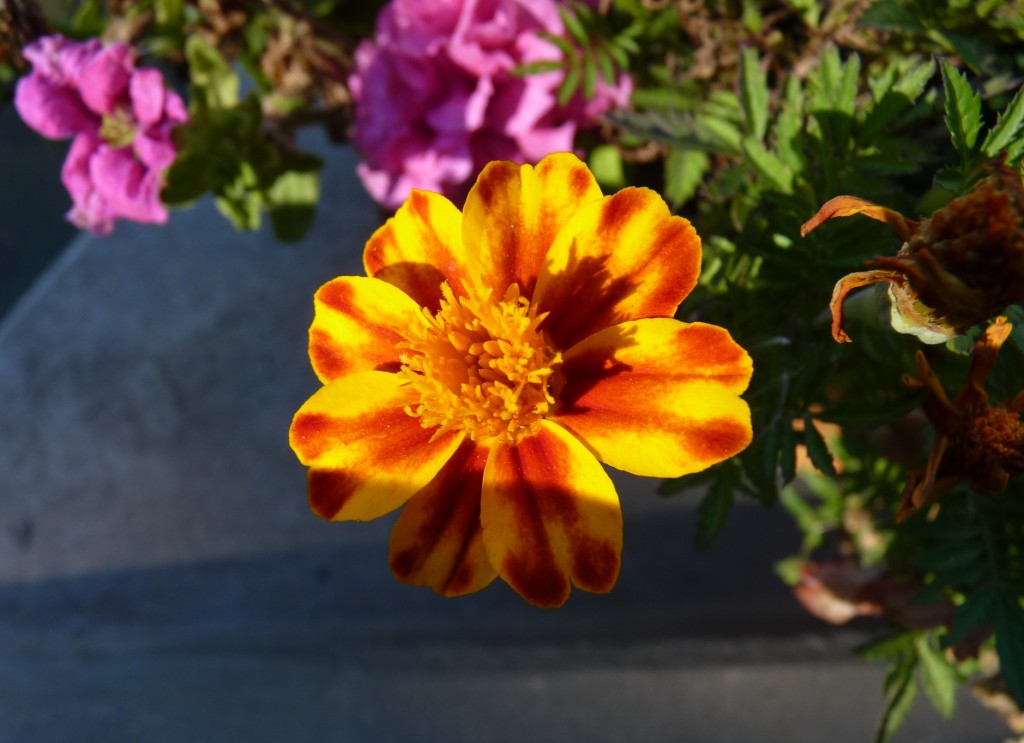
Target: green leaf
[
  {"x": 888, "y": 647},
  {"x": 1010, "y": 645},
  {"x": 871, "y": 413},
  {"x": 214, "y": 84},
  {"x": 753, "y": 94},
  {"x": 570, "y": 83},
  {"x": 901, "y": 689},
  {"x": 589, "y": 78},
  {"x": 938, "y": 676},
  {"x": 186, "y": 179},
  {"x": 963, "y": 110},
  {"x": 724, "y": 136},
  {"x": 291, "y": 203},
  {"x": 768, "y": 165},
  {"x": 714, "y": 509},
  {"x": 976, "y": 611},
  {"x": 684, "y": 172},
  {"x": 573, "y": 26},
  {"x": 605, "y": 162},
  {"x": 534, "y": 68},
  {"x": 817, "y": 449},
  {"x": 1007, "y": 126}
]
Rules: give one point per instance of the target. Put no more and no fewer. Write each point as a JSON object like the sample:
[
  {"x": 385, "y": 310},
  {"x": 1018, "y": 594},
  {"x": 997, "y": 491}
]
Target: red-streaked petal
[
  {"x": 367, "y": 455},
  {"x": 513, "y": 213},
  {"x": 437, "y": 540},
  {"x": 657, "y": 397},
  {"x": 418, "y": 248},
  {"x": 550, "y": 516},
  {"x": 624, "y": 257},
  {"x": 357, "y": 326}
]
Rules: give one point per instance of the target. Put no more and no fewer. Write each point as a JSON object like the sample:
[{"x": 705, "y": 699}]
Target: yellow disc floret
[{"x": 480, "y": 365}]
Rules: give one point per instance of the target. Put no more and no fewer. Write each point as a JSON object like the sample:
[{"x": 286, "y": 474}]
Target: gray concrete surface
[{"x": 161, "y": 578}]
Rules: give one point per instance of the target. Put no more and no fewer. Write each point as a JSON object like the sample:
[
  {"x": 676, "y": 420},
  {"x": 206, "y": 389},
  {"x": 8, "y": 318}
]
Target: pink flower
[
  {"x": 436, "y": 99},
  {"x": 120, "y": 118}
]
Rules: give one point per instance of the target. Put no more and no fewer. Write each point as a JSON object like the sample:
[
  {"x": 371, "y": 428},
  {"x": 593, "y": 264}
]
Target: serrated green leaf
[
  {"x": 817, "y": 449},
  {"x": 715, "y": 508},
  {"x": 1007, "y": 127},
  {"x": 963, "y": 110},
  {"x": 753, "y": 94},
  {"x": 684, "y": 172},
  {"x": 938, "y": 676}
]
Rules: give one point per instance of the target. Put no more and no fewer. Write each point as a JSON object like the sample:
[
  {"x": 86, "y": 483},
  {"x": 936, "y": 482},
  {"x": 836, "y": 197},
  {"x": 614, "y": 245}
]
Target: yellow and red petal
[
  {"x": 437, "y": 540},
  {"x": 550, "y": 517},
  {"x": 513, "y": 213},
  {"x": 624, "y": 257},
  {"x": 357, "y": 326},
  {"x": 657, "y": 397},
  {"x": 367, "y": 455},
  {"x": 419, "y": 248}
]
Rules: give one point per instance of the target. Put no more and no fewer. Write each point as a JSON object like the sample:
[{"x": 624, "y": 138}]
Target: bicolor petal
[
  {"x": 513, "y": 213},
  {"x": 437, "y": 540},
  {"x": 657, "y": 397},
  {"x": 550, "y": 517},
  {"x": 624, "y": 257},
  {"x": 367, "y": 455},
  {"x": 419, "y": 248},
  {"x": 357, "y": 326}
]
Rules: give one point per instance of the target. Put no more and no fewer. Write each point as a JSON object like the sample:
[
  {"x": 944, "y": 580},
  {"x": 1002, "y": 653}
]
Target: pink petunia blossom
[
  {"x": 436, "y": 98},
  {"x": 120, "y": 118}
]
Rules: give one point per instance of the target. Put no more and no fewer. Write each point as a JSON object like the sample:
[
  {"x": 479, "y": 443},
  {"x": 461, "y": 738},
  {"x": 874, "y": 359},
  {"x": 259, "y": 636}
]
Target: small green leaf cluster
[{"x": 224, "y": 150}]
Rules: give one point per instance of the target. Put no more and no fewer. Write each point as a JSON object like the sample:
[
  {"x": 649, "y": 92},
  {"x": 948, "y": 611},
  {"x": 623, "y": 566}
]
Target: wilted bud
[{"x": 959, "y": 267}]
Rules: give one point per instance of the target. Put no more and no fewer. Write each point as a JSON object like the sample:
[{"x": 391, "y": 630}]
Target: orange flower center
[{"x": 480, "y": 365}]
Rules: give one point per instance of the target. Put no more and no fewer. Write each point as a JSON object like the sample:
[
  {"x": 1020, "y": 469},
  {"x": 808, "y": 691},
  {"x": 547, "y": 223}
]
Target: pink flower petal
[
  {"x": 52, "y": 110},
  {"x": 105, "y": 78},
  {"x": 146, "y": 89}
]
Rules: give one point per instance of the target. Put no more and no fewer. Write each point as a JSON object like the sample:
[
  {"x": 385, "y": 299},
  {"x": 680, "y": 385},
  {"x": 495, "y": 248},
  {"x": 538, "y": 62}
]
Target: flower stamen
[{"x": 480, "y": 365}]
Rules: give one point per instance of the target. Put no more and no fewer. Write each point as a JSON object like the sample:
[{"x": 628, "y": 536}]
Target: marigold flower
[
  {"x": 976, "y": 442},
  {"x": 959, "y": 267},
  {"x": 120, "y": 118},
  {"x": 492, "y": 357},
  {"x": 437, "y": 99}
]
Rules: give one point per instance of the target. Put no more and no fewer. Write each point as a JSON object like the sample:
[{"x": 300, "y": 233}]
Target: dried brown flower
[
  {"x": 959, "y": 267},
  {"x": 976, "y": 442}
]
